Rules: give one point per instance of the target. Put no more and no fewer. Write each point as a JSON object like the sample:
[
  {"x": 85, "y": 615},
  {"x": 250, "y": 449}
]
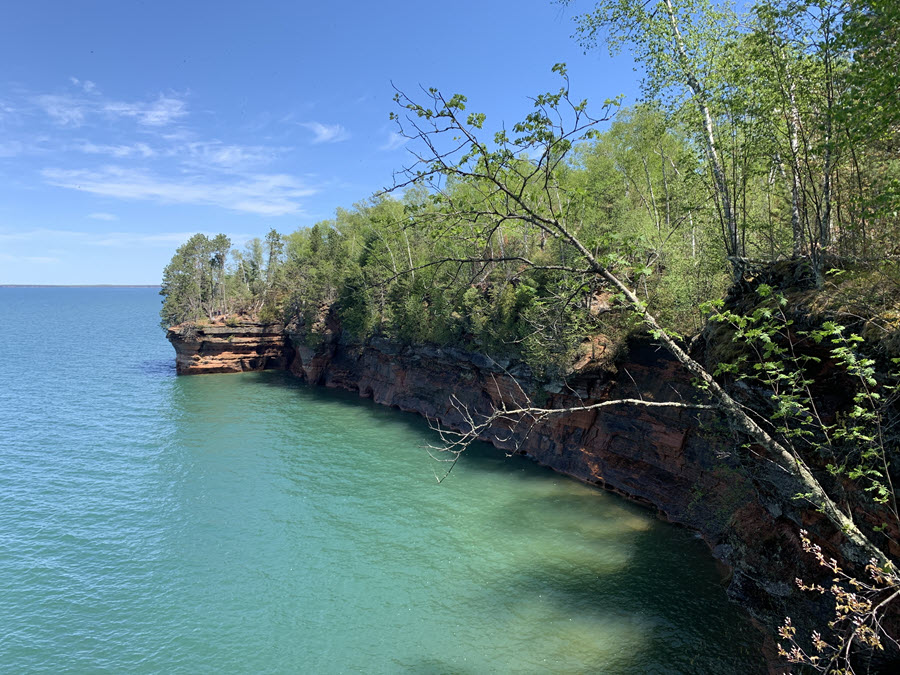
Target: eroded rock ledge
[{"x": 231, "y": 347}]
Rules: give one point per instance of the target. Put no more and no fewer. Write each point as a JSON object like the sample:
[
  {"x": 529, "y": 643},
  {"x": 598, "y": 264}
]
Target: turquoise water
[{"x": 249, "y": 524}]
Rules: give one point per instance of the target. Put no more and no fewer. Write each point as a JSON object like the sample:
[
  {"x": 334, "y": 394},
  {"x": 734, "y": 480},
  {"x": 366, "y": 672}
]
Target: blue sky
[{"x": 126, "y": 126}]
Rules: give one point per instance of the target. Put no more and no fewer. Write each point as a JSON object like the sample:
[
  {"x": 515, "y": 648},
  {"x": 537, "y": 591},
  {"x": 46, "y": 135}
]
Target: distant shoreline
[{"x": 79, "y": 286}]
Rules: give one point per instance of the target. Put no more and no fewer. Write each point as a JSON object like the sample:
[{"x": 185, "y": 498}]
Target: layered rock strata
[
  {"x": 687, "y": 466},
  {"x": 690, "y": 467},
  {"x": 231, "y": 347}
]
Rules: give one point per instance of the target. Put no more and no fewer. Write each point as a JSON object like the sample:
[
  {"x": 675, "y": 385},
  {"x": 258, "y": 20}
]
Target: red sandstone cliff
[
  {"x": 691, "y": 468},
  {"x": 687, "y": 467},
  {"x": 229, "y": 348}
]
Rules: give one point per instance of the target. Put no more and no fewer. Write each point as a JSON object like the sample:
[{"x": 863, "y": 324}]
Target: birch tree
[
  {"x": 678, "y": 43},
  {"x": 450, "y": 146}
]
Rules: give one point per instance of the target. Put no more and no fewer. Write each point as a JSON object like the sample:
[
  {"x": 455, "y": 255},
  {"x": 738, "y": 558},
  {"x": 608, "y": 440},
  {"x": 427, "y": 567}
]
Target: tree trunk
[{"x": 723, "y": 193}]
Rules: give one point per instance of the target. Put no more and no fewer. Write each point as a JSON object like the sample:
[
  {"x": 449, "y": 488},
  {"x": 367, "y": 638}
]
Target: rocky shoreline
[{"x": 687, "y": 466}]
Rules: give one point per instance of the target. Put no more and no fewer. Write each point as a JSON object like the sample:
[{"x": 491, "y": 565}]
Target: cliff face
[
  {"x": 224, "y": 348},
  {"x": 688, "y": 466}
]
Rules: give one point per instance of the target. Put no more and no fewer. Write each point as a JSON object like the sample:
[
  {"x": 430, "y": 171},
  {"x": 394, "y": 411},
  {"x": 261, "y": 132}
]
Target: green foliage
[
  {"x": 356, "y": 310},
  {"x": 194, "y": 283},
  {"x": 784, "y": 361},
  {"x": 871, "y": 32},
  {"x": 755, "y": 143},
  {"x": 460, "y": 259}
]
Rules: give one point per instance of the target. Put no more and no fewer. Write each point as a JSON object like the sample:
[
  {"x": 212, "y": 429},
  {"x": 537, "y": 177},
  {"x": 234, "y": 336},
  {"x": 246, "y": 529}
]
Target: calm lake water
[{"x": 250, "y": 524}]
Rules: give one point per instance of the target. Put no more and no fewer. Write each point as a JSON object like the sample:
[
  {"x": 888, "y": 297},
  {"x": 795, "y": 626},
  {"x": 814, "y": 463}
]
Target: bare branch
[{"x": 475, "y": 426}]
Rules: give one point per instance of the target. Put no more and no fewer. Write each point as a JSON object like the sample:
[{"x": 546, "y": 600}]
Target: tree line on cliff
[
  {"x": 766, "y": 142},
  {"x": 756, "y": 142}
]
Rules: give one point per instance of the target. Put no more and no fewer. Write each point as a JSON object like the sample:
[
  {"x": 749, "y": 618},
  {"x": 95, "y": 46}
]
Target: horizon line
[{"x": 80, "y": 286}]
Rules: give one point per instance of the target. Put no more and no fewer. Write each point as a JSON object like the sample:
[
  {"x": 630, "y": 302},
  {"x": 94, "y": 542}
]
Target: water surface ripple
[{"x": 246, "y": 523}]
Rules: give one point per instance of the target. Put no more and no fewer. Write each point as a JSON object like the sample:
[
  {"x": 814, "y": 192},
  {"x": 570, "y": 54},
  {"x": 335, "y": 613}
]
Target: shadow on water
[
  {"x": 156, "y": 368},
  {"x": 622, "y": 570},
  {"x": 678, "y": 612}
]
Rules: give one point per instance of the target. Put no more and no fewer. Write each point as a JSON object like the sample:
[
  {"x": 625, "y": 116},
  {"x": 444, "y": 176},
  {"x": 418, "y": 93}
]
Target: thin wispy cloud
[
  {"x": 74, "y": 110},
  {"x": 231, "y": 157},
  {"x": 36, "y": 234},
  {"x": 146, "y": 150},
  {"x": 261, "y": 194},
  {"x": 132, "y": 239},
  {"x": 134, "y": 150},
  {"x": 31, "y": 259},
  {"x": 199, "y": 155},
  {"x": 164, "y": 240},
  {"x": 6, "y": 110},
  {"x": 326, "y": 133},
  {"x": 161, "y": 112},
  {"x": 86, "y": 85},
  {"x": 394, "y": 141},
  {"x": 64, "y": 110},
  {"x": 120, "y": 239}
]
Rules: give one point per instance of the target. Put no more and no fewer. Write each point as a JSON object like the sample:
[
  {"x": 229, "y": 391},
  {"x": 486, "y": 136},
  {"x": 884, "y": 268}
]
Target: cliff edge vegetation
[{"x": 764, "y": 160}]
